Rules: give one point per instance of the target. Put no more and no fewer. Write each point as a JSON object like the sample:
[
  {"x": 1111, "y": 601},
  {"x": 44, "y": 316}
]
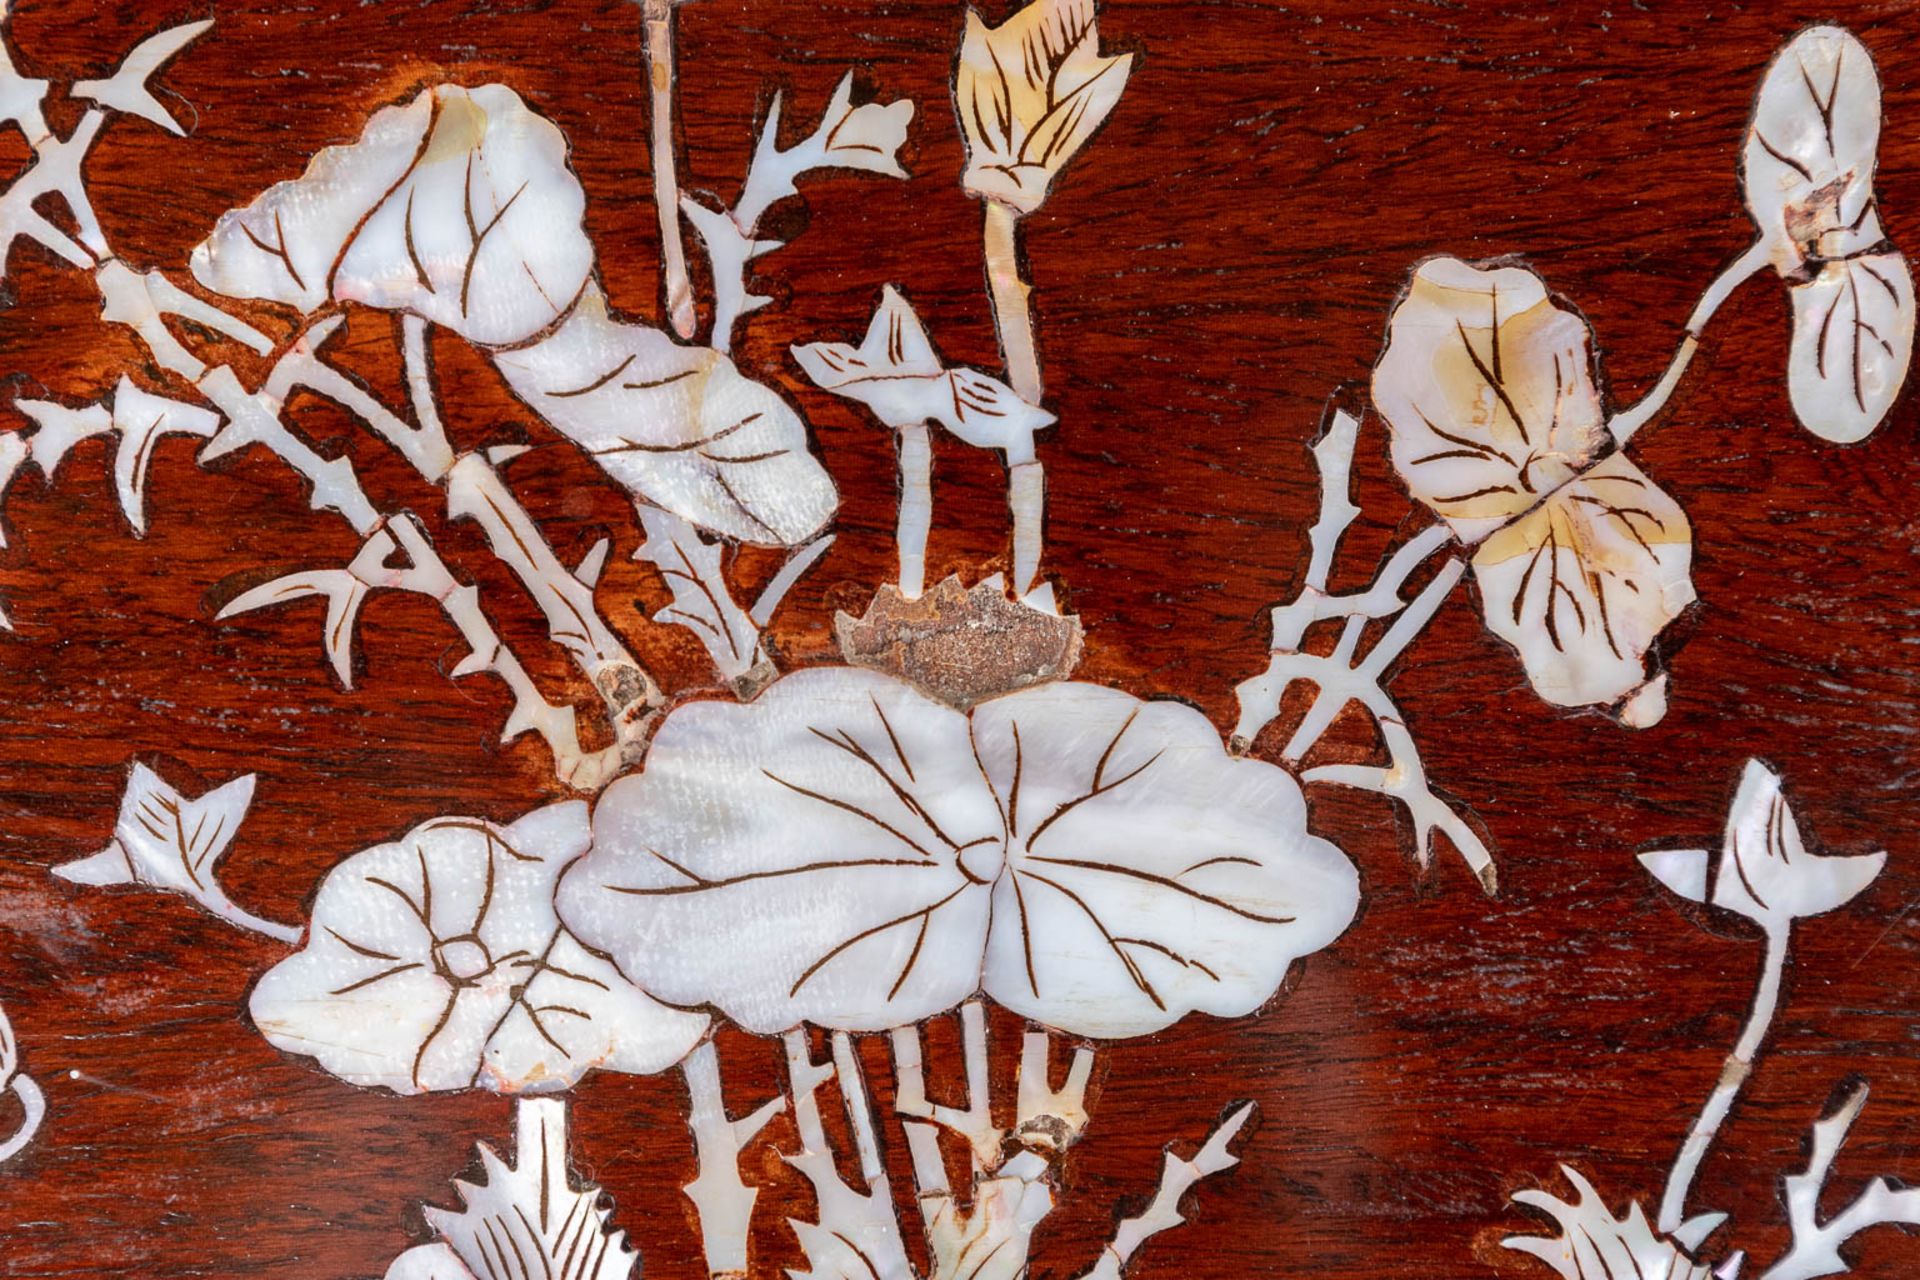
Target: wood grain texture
[{"x": 1216, "y": 265}]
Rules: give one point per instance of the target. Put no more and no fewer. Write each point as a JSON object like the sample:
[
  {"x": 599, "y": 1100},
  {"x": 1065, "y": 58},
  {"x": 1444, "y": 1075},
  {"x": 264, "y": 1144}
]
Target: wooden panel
[{"x": 1217, "y": 266}]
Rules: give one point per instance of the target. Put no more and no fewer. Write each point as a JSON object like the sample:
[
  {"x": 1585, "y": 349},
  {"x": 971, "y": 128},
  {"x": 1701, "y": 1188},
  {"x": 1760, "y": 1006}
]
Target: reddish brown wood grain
[{"x": 1216, "y": 265}]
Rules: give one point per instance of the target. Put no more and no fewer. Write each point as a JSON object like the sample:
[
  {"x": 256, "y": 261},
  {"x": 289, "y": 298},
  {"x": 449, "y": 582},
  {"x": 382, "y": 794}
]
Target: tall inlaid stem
[
  {"x": 1629, "y": 420},
  {"x": 658, "y": 20},
  {"x": 1010, "y": 293},
  {"x": 1733, "y": 1076},
  {"x": 1026, "y": 481},
  {"x": 916, "y": 507}
]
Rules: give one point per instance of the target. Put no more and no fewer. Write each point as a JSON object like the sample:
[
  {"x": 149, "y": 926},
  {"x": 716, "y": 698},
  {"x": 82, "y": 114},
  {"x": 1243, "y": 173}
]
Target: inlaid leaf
[
  {"x": 436, "y": 962},
  {"x": 527, "y": 1219},
  {"x": 1811, "y": 150},
  {"x": 1148, "y": 874},
  {"x": 676, "y": 425},
  {"x": 165, "y": 841},
  {"x": 1487, "y": 386},
  {"x": 458, "y": 207},
  {"x": 1765, "y": 871},
  {"x": 896, "y": 374},
  {"x": 1852, "y": 341},
  {"x": 1593, "y": 1244},
  {"x": 854, "y": 855},
  {"x": 1583, "y": 584},
  {"x": 1030, "y": 93},
  {"x": 815, "y": 843},
  {"x": 691, "y": 567},
  {"x": 283, "y": 246}
]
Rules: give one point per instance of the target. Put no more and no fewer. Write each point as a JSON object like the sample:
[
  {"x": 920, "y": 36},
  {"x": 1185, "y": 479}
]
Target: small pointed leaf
[
  {"x": 1682, "y": 870},
  {"x": 896, "y": 374},
  {"x": 126, "y": 90},
  {"x": 168, "y": 842},
  {"x": 142, "y": 418}
]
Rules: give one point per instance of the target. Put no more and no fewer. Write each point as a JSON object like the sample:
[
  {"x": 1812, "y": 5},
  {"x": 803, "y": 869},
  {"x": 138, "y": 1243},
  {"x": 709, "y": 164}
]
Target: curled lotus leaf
[
  {"x": 458, "y": 207},
  {"x": 436, "y": 962},
  {"x": 677, "y": 425},
  {"x": 855, "y": 855},
  {"x": 1489, "y": 389}
]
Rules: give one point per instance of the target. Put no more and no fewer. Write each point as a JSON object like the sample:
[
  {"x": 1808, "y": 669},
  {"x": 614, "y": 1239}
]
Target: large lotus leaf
[
  {"x": 852, "y": 854},
  {"x": 799, "y": 858},
  {"x": 1148, "y": 873},
  {"x": 677, "y": 425},
  {"x": 458, "y": 207},
  {"x": 1488, "y": 388}
]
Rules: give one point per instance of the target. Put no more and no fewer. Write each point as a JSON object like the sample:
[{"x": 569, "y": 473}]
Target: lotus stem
[
  {"x": 1732, "y": 1077},
  {"x": 1026, "y": 481},
  {"x": 1010, "y": 293},
  {"x": 853, "y": 1092},
  {"x": 1333, "y": 698},
  {"x": 434, "y": 457},
  {"x": 657, "y": 18},
  {"x": 916, "y": 507},
  {"x": 974, "y": 1122},
  {"x": 476, "y": 491},
  {"x": 1027, "y": 496},
  {"x": 1624, "y": 424}
]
